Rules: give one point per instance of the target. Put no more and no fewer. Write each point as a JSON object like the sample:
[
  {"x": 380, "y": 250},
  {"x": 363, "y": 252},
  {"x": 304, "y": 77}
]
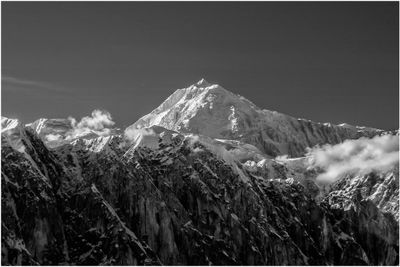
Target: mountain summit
[
  {"x": 205, "y": 191},
  {"x": 211, "y": 110},
  {"x": 203, "y": 108},
  {"x": 203, "y": 83}
]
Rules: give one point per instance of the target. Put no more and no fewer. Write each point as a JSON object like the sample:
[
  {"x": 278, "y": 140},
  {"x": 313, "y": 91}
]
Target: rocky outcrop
[
  {"x": 31, "y": 222},
  {"x": 195, "y": 182},
  {"x": 381, "y": 188},
  {"x": 183, "y": 203},
  {"x": 43, "y": 219}
]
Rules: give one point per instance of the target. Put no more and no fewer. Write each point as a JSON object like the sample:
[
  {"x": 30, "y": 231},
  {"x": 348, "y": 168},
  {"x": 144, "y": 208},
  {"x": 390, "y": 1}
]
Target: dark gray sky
[{"x": 336, "y": 62}]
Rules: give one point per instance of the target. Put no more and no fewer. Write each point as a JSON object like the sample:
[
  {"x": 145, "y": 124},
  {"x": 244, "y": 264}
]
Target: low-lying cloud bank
[
  {"x": 99, "y": 123},
  {"x": 360, "y": 156}
]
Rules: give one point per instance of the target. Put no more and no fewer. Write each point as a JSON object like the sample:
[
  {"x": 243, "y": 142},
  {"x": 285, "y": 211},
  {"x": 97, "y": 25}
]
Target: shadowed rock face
[
  {"x": 50, "y": 218},
  {"x": 178, "y": 204}
]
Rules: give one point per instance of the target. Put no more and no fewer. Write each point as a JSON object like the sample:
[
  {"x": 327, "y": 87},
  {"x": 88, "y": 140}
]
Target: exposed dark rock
[{"x": 178, "y": 205}]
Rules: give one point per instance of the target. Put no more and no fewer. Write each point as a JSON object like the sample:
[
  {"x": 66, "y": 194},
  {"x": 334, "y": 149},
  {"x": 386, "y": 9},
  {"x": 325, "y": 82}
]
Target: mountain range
[{"x": 205, "y": 178}]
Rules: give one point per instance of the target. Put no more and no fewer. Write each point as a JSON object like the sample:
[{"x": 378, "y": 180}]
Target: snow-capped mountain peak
[
  {"x": 7, "y": 124},
  {"x": 211, "y": 110},
  {"x": 203, "y": 83},
  {"x": 158, "y": 196},
  {"x": 203, "y": 108}
]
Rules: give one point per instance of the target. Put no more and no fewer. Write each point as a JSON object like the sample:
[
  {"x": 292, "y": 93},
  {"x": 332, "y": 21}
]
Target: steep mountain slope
[
  {"x": 195, "y": 182},
  {"x": 381, "y": 188},
  {"x": 210, "y": 110},
  {"x": 50, "y": 217},
  {"x": 47, "y": 128},
  {"x": 51, "y": 126},
  {"x": 184, "y": 200},
  {"x": 7, "y": 124}
]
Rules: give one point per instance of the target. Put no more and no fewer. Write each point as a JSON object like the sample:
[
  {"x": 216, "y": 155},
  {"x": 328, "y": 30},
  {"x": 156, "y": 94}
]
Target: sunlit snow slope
[{"x": 211, "y": 110}]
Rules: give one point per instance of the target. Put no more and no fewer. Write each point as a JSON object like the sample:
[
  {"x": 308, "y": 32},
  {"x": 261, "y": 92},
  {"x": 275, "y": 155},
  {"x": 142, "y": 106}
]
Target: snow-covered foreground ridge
[{"x": 206, "y": 178}]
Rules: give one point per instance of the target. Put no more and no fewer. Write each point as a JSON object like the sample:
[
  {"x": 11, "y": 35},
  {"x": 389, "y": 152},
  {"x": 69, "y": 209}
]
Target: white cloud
[
  {"x": 98, "y": 123},
  {"x": 363, "y": 155},
  {"x": 53, "y": 137}
]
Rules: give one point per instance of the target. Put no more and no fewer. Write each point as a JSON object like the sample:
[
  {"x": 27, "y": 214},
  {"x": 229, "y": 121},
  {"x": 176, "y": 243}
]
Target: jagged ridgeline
[{"x": 195, "y": 182}]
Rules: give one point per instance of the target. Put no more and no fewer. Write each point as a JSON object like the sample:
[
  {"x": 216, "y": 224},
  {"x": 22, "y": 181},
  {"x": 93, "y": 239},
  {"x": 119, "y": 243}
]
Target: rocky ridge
[
  {"x": 175, "y": 197},
  {"x": 211, "y": 110}
]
